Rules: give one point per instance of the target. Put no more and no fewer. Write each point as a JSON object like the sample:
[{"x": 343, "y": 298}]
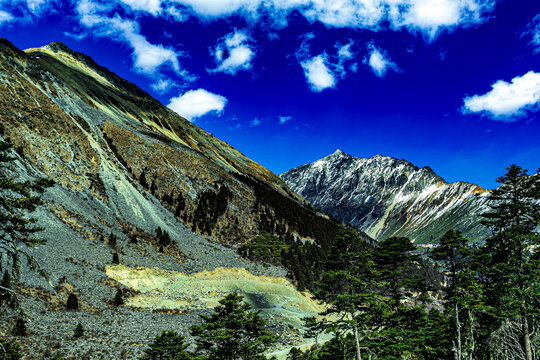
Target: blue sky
[{"x": 451, "y": 84}]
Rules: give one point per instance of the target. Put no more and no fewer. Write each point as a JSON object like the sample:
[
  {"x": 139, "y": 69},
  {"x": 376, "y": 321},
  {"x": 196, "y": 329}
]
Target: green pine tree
[
  {"x": 17, "y": 198},
  {"x": 232, "y": 332},
  {"x": 167, "y": 346},
  {"x": 348, "y": 288},
  {"x": 510, "y": 265},
  {"x": 463, "y": 292}
]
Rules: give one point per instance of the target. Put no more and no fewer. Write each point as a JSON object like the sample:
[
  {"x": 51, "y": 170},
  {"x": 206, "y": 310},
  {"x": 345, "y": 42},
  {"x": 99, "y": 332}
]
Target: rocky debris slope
[
  {"x": 386, "y": 197},
  {"x": 132, "y": 178}
]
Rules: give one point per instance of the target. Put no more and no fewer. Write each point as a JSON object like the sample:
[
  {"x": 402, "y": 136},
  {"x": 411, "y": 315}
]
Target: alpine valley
[
  {"x": 150, "y": 207},
  {"x": 145, "y": 204}
]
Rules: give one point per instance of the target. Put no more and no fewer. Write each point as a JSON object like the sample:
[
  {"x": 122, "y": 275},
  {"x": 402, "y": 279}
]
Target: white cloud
[
  {"x": 5, "y": 17},
  {"x": 162, "y": 86},
  {"x": 233, "y": 53},
  {"x": 284, "y": 119},
  {"x": 151, "y": 6},
  {"x": 255, "y": 122},
  {"x": 379, "y": 61},
  {"x": 40, "y": 7},
  {"x": 147, "y": 57},
  {"x": 428, "y": 16},
  {"x": 323, "y": 71},
  {"x": 344, "y": 54},
  {"x": 507, "y": 101},
  {"x": 219, "y": 8},
  {"x": 344, "y": 51},
  {"x": 318, "y": 74},
  {"x": 533, "y": 30},
  {"x": 196, "y": 103}
]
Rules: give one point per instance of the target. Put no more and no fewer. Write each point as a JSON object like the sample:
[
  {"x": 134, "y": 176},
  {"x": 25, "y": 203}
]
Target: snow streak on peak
[{"x": 385, "y": 196}]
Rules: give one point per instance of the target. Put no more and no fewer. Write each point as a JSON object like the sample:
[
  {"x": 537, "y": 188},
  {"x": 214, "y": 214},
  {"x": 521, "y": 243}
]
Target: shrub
[
  {"x": 72, "y": 302},
  {"x": 118, "y": 298},
  {"x": 9, "y": 350},
  {"x": 79, "y": 331},
  {"x": 112, "y": 240},
  {"x": 20, "y": 328}
]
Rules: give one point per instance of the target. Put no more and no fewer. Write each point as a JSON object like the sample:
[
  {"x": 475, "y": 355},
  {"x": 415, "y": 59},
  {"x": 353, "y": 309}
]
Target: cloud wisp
[
  {"x": 284, "y": 119},
  {"x": 533, "y": 31},
  {"x": 196, "y": 103},
  {"x": 507, "y": 101},
  {"x": 147, "y": 58},
  {"x": 379, "y": 61},
  {"x": 233, "y": 53},
  {"x": 5, "y": 17},
  {"x": 255, "y": 122}
]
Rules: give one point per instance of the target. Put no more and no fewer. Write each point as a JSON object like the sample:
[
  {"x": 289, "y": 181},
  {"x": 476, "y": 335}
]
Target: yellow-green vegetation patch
[
  {"x": 154, "y": 302},
  {"x": 171, "y": 290}
]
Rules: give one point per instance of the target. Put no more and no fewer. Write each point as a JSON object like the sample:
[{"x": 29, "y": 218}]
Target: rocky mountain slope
[
  {"x": 127, "y": 170},
  {"x": 384, "y": 197}
]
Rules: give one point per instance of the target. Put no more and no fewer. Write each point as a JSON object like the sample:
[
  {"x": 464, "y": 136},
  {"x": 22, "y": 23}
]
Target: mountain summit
[{"x": 384, "y": 196}]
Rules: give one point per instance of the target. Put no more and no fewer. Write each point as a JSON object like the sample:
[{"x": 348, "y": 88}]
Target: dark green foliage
[
  {"x": 508, "y": 264},
  {"x": 167, "y": 346},
  {"x": 398, "y": 267},
  {"x": 210, "y": 206},
  {"x": 118, "y": 298},
  {"x": 79, "y": 331},
  {"x": 72, "y": 302},
  {"x": 265, "y": 247},
  {"x": 296, "y": 354},
  {"x": 164, "y": 239},
  {"x": 115, "y": 259},
  {"x": 180, "y": 205},
  {"x": 232, "y": 332},
  {"x": 5, "y": 294},
  {"x": 17, "y": 198},
  {"x": 19, "y": 329},
  {"x": 9, "y": 350},
  {"x": 348, "y": 286},
  {"x": 142, "y": 180},
  {"x": 112, "y": 240},
  {"x": 303, "y": 261},
  {"x": 463, "y": 298},
  {"x": 275, "y": 210}
]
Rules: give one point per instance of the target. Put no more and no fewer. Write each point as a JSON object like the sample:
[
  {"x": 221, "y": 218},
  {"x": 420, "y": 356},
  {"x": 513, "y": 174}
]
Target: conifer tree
[
  {"x": 511, "y": 267},
  {"x": 17, "y": 198},
  {"x": 232, "y": 332},
  {"x": 463, "y": 295},
  {"x": 348, "y": 287},
  {"x": 167, "y": 346},
  {"x": 9, "y": 350}
]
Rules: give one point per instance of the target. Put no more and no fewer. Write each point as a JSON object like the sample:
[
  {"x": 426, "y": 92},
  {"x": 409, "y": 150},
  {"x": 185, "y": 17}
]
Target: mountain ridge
[
  {"x": 386, "y": 196},
  {"x": 135, "y": 184}
]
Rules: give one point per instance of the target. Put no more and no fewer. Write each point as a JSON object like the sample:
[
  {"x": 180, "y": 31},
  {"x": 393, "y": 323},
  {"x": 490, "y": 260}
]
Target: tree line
[{"x": 379, "y": 308}]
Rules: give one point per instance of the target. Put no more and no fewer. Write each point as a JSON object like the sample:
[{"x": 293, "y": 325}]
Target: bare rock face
[
  {"x": 386, "y": 197},
  {"x": 133, "y": 178},
  {"x": 95, "y": 133}
]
